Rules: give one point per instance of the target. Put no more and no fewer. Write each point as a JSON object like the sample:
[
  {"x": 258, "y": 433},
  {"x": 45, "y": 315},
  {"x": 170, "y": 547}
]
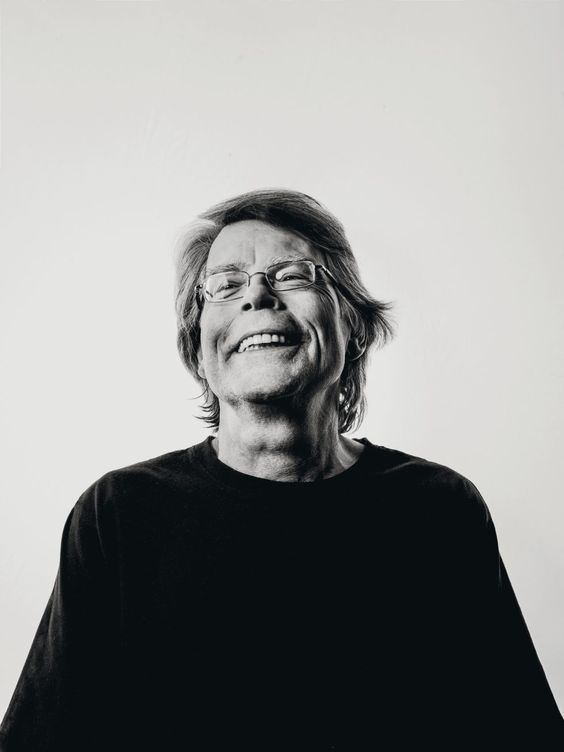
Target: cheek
[
  {"x": 200, "y": 356},
  {"x": 204, "y": 347},
  {"x": 212, "y": 336},
  {"x": 332, "y": 328},
  {"x": 201, "y": 370},
  {"x": 207, "y": 336}
]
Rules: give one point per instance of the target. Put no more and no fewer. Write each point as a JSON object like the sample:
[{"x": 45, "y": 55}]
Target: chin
[
  {"x": 264, "y": 394},
  {"x": 266, "y": 390}
]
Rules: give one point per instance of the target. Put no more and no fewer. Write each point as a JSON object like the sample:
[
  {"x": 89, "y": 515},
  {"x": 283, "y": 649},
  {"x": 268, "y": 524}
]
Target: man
[{"x": 280, "y": 586}]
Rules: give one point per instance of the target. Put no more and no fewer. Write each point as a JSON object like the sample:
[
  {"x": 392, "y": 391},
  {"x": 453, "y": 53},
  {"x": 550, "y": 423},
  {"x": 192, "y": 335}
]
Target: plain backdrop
[{"x": 433, "y": 130}]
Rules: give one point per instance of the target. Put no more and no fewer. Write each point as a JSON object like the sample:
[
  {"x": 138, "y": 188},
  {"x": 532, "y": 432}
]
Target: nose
[{"x": 259, "y": 294}]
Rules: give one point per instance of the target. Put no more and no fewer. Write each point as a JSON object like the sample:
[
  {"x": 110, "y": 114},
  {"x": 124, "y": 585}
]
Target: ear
[{"x": 201, "y": 370}]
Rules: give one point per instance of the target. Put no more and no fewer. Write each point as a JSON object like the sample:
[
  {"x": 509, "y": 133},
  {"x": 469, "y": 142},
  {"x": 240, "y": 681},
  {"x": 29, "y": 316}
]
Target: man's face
[{"x": 312, "y": 358}]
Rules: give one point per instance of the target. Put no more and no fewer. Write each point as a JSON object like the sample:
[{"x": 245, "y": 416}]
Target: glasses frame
[{"x": 201, "y": 291}]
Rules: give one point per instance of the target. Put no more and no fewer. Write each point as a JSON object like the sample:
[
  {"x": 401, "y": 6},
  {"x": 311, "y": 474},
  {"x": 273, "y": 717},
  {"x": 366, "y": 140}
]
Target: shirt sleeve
[
  {"x": 523, "y": 711},
  {"x": 64, "y": 698}
]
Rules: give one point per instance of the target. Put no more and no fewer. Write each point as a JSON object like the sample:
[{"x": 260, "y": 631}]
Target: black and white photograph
[{"x": 282, "y": 375}]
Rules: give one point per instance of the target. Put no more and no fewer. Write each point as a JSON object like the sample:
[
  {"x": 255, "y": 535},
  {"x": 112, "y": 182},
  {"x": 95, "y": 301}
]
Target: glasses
[{"x": 286, "y": 275}]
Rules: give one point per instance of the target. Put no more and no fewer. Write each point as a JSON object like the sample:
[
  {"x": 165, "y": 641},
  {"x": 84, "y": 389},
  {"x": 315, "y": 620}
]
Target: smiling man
[
  {"x": 280, "y": 586},
  {"x": 273, "y": 345}
]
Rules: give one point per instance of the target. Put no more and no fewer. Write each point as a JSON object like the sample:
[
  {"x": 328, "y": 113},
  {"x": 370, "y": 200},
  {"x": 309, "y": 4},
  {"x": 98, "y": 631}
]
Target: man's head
[{"x": 328, "y": 325}]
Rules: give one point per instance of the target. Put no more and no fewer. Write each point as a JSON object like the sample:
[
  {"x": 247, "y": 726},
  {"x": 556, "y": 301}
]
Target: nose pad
[{"x": 259, "y": 294}]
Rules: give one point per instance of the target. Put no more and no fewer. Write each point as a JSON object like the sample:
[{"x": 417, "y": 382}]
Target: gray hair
[{"x": 310, "y": 220}]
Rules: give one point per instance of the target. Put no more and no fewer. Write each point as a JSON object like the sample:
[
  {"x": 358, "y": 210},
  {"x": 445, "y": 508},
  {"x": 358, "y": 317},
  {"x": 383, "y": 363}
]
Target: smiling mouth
[
  {"x": 270, "y": 346},
  {"x": 265, "y": 342}
]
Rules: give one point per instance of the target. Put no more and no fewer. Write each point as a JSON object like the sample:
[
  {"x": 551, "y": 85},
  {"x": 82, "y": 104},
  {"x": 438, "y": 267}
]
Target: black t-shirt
[{"x": 199, "y": 608}]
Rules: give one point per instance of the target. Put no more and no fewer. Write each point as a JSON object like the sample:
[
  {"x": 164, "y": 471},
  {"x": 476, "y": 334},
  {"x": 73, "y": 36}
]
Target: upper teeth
[{"x": 259, "y": 339}]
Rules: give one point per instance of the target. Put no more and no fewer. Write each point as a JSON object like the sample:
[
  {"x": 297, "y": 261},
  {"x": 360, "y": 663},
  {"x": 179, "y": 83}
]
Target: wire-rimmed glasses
[{"x": 282, "y": 276}]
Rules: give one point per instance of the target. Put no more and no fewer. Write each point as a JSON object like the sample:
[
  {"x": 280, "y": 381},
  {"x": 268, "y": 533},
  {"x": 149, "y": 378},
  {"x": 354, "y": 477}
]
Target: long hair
[{"x": 310, "y": 220}]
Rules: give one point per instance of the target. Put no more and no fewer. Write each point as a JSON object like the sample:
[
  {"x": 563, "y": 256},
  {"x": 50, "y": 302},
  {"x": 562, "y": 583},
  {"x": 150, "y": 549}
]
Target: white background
[{"x": 433, "y": 130}]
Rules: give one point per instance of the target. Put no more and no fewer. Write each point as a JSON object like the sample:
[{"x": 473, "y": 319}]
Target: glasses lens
[
  {"x": 224, "y": 285},
  {"x": 291, "y": 274}
]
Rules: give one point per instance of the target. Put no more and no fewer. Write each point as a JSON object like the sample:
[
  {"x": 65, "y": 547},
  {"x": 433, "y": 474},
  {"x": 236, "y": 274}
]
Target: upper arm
[
  {"x": 521, "y": 701},
  {"x": 69, "y": 673}
]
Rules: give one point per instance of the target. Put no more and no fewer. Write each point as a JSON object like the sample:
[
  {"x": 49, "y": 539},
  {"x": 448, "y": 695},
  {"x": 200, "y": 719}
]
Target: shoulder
[
  {"x": 425, "y": 483},
  {"x": 136, "y": 507},
  {"x": 156, "y": 479}
]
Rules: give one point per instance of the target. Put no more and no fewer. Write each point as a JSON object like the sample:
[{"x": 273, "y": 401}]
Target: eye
[
  {"x": 293, "y": 272},
  {"x": 226, "y": 285},
  {"x": 285, "y": 276}
]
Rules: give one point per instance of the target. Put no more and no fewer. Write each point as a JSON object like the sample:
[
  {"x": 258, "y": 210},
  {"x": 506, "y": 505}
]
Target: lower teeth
[{"x": 259, "y": 347}]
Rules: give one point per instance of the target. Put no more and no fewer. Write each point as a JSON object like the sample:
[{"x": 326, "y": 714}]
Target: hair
[{"x": 310, "y": 220}]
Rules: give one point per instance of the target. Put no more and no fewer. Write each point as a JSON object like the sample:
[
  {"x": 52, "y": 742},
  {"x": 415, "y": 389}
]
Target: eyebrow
[{"x": 238, "y": 265}]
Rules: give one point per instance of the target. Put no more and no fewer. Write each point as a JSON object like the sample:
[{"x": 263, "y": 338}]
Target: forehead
[{"x": 252, "y": 242}]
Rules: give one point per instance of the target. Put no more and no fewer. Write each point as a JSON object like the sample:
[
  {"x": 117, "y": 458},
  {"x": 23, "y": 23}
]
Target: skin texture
[{"x": 278, "y": 406}]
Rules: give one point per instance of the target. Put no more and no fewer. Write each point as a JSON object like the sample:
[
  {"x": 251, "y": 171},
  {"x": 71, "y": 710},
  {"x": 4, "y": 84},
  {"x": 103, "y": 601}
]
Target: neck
[{"x": 258, "y": 440}]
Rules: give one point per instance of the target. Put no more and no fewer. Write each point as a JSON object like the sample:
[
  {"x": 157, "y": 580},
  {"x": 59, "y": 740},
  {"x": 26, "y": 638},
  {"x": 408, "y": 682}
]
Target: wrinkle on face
[{"x": 315, "y": 311}]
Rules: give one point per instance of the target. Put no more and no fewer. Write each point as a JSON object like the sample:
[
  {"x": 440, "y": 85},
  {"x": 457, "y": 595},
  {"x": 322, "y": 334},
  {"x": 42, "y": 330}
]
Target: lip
[
  {"x": 279, "y": 349},
  {"x": 289, "y": 333}
]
